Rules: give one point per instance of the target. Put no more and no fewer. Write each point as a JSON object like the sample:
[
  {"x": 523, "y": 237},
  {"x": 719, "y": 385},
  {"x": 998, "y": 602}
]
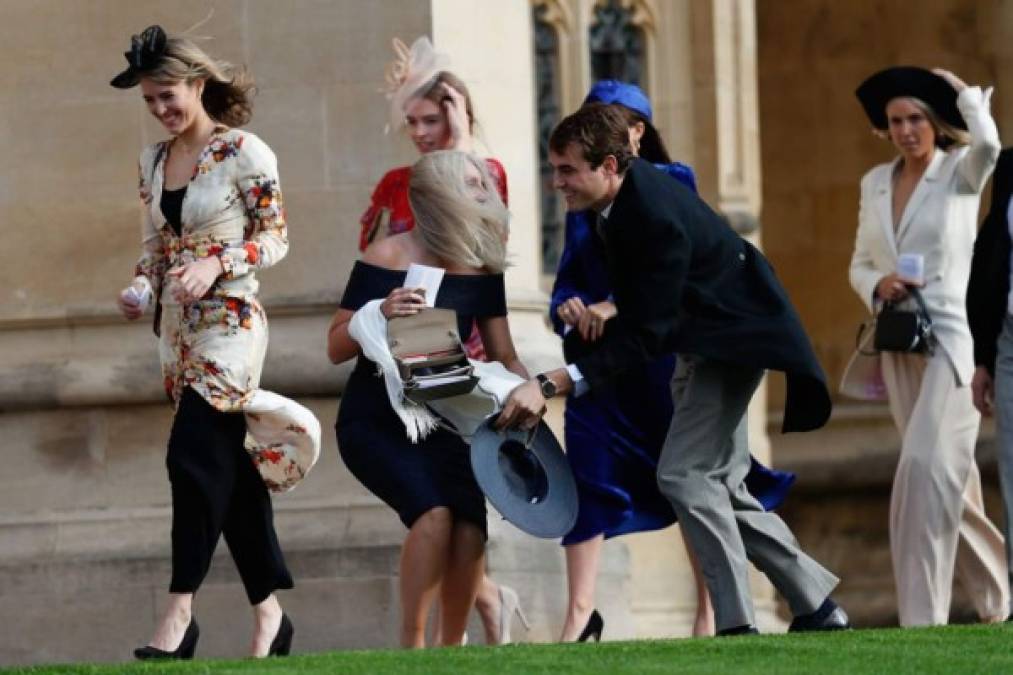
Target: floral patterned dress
[{"x": 216, "y": 345}]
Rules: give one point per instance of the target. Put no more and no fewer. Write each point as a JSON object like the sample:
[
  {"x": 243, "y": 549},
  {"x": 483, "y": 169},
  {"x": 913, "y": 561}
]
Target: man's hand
[
  {"x": 524, "y": 408},
  {"x": 983, "y": 391},
  {"x": 592, "y": 323}
]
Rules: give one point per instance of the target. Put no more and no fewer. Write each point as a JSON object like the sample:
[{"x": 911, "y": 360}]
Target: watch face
[{"x": 548, "y": 387}]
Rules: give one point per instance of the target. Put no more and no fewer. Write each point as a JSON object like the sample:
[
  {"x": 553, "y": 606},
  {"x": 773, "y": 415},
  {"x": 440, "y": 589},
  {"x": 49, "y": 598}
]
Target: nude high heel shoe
[{"x": 509, "y": 604}]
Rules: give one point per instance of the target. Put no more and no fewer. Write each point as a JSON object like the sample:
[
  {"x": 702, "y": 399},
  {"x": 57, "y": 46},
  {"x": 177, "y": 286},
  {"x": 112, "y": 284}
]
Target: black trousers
[{"x": 217, "y": 490}]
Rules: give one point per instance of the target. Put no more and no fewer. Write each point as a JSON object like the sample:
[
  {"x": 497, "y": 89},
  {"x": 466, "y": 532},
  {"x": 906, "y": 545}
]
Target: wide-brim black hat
[
  {"x": 526, "y": 477},
  {"x": 886, "y": 85}
]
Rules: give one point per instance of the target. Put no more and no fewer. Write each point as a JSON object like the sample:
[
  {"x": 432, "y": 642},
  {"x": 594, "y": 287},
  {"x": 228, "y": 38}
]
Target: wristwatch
[{"x": 549, "y": 387}]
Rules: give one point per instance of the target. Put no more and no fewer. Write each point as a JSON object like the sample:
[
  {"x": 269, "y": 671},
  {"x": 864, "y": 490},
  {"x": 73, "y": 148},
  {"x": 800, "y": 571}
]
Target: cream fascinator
[{"x": 411, "y": 71}]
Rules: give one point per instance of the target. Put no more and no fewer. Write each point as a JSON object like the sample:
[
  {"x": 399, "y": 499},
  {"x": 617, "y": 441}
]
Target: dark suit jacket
[
  {"x": 988, "y": 287},
  {"x": 685, "y": 282}
]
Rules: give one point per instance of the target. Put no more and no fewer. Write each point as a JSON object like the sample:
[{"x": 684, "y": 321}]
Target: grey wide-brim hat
[{"x": 526, "y": 477}]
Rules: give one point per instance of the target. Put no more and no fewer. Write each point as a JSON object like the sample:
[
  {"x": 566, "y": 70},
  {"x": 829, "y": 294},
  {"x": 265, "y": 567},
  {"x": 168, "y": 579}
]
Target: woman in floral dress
[{"x": 213, "y": 216}]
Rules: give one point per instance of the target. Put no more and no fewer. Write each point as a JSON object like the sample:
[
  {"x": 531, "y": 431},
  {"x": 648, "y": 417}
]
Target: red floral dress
[{"x": 389, "y": 213}]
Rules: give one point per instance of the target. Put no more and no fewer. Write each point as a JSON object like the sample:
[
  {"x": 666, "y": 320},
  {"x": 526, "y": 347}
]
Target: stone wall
[
  {"x": 817, "y": 142},
  {"x": 816, "y": 145}
]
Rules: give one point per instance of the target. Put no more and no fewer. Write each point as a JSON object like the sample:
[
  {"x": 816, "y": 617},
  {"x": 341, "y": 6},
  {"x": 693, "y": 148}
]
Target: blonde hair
[
  {"x": 228, "y": 89},
  {"x": 453, "y": 225},
  {"x": 946, "y": 133}
]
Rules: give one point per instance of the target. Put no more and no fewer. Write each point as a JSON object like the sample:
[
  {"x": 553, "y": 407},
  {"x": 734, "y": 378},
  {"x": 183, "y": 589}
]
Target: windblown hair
[
  {"x": 434, "y": 92},
  {"x": 946, "y": 134},
  {"x": 228, "y": 89},
  {"x": 652, "y": 148},
  {"x": 599, "y": 130},
  {"x": 454, "y": 225}
]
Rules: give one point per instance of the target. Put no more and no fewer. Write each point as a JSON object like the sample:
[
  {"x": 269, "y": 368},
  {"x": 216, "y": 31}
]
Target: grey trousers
[
  {"x": 1004, "y": 428},
  {"x": 701, "y": 471}
]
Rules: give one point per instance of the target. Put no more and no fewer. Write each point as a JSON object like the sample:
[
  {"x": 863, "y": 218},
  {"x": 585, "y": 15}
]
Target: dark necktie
[{"x": 599, "y": 225}]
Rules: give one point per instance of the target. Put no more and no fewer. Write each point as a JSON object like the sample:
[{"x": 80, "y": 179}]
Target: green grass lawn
[{"x": 949, "y": 650}]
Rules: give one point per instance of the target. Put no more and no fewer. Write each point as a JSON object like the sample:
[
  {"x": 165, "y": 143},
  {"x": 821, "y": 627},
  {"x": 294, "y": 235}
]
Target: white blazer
[{"x": 939, "y": 222}]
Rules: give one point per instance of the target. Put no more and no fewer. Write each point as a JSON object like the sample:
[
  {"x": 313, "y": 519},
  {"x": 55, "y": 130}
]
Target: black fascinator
[{"x": 146, "y": 51}]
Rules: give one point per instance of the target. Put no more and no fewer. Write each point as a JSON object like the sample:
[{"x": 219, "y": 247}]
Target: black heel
[
  {"x": 595, "y": 626},
  {"x": 186, "y": 649},
  {"x": 282, "y": 643}
]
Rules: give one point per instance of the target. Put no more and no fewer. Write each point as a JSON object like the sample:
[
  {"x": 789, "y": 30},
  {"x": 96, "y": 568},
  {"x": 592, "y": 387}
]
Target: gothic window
[
  {"x": 547, "y": 86},
  {"x": 617, "y": 44}
]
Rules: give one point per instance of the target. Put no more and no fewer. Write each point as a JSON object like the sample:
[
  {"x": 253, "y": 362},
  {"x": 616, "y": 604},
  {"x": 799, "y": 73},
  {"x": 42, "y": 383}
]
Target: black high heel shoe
[
  {"x": 282, "y": 643},
  {"x": 185, "y": 650},
  {"x": 594, "y": 627}
]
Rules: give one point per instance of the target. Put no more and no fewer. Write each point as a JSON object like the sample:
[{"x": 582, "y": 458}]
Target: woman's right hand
[
  {"x": 402, "y": 302},
  {"x": 891, "y": 289},
  {"x": 129, "y": 304},
  {"x": 456, "y": 108},
  {"x": 958, "y": 84},
  {"x": 570, "y": 311},
  {"x": 983, "y": 391}
]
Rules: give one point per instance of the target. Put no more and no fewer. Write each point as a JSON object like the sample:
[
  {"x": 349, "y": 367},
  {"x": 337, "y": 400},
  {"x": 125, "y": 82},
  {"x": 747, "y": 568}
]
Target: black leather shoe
[
  {"x": 185, "y": 650},
  {"x": 594, "y": 627},
  {"x": 282, "y": 643},
  {"x": 748, "y": 629},
  {"x": 828, "y": 617}
]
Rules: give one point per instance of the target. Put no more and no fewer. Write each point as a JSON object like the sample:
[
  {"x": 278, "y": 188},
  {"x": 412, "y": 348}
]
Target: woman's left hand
[
  {"x": 958, "y": 84},
  {"x": 195, "y": 279},
  {"x": 456, "y": 107}
]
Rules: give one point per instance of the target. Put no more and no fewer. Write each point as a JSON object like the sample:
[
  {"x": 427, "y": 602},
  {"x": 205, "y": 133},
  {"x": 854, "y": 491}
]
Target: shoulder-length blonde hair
[
  {"x": 228, "y": 89},
  {"x": 452, "y": 223},
  {"x": 946, "y": 134}
]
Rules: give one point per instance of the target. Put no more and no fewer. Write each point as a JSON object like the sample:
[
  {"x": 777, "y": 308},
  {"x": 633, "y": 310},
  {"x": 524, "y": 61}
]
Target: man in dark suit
[
  {"x": 684, "y": 282},
  {"x": 990, "y": 315}
]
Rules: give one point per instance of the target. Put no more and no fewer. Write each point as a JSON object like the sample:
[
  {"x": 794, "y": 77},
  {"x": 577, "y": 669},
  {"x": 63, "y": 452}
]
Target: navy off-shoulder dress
[
  {"x": 614, "y": 437},
  {"x": 411, "y": 478}
]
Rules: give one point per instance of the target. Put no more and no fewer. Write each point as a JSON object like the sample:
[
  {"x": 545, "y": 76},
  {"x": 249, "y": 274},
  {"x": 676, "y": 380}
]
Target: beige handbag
[{"x": 429, "y": 355}]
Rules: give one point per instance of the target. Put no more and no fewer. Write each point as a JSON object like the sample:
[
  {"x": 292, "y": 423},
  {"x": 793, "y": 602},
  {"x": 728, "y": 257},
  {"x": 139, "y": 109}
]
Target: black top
[
  {"x": 684, "y": 282},
  {"x": 470, "y": 295},
  {"x": 988, "y": 287},
  {"x": 172, "y": 208}
]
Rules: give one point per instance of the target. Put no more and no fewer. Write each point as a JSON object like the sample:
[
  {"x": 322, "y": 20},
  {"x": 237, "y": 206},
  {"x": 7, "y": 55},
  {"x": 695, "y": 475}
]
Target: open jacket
[
  {"x": 684, "y": 282},
  {"x": 939, "y": 222},
  {"x": 216, "y": 345},
  {"x": 988, "y": 288}
]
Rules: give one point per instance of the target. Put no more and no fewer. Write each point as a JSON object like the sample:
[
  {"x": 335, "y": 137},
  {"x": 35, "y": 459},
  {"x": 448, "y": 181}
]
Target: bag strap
[{"x": 919, "y": 300}]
